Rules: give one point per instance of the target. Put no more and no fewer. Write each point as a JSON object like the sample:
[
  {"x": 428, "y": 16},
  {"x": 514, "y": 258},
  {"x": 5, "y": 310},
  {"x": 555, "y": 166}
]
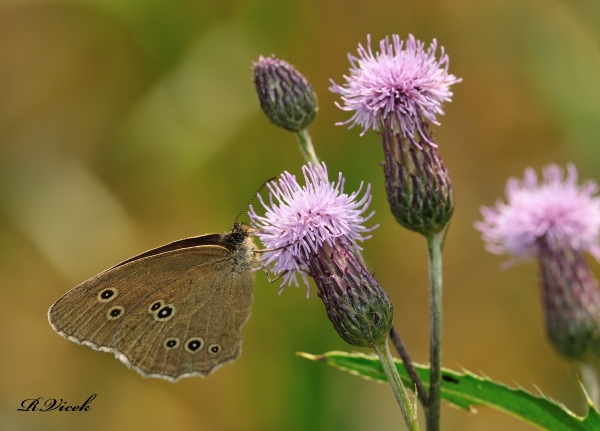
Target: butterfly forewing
[{"x": 82, "y": 315}]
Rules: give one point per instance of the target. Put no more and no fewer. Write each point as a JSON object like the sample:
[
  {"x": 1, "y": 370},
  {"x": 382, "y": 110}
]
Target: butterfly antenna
[{"x": 253, "y": 196}]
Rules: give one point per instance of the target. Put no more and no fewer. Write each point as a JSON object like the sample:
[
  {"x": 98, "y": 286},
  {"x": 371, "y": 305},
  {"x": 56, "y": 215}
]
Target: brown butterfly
[{"x": 174, "y": 311}]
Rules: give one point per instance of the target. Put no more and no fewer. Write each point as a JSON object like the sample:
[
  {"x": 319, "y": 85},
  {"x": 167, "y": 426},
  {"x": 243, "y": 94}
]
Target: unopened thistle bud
[
  {"x": 400, "y": 91},
  {"x": 556, "y": 221},
  {"x": 285, "y": 95},
  {"x": 315, "y": 229}
]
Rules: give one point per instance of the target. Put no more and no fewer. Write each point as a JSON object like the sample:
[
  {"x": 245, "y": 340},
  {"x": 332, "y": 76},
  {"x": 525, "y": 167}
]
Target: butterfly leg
[
  {"x": 269, "y": 279},
  {"x": 268, "y": 250}
]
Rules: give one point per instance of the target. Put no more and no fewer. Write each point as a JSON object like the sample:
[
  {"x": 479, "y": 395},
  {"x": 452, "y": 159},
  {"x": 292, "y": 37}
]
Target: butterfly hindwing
[{"x": 199, "y": 311}]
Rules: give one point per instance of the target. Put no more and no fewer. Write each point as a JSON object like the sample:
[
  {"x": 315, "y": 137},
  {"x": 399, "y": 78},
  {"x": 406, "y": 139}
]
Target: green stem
[
  {"x": 409, "y": 410},
  {"x": 410, "y": 368},
  {"x": 306, "y": 147},
  {"x": 589, "y": 378},
  {"x": 434, "y": 248}
]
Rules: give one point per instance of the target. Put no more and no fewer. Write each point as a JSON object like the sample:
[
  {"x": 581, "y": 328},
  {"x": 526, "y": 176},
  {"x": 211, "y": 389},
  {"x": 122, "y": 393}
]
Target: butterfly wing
[
  {"x": 111, "y": 311},
  {"x": 195, "y": 327}
]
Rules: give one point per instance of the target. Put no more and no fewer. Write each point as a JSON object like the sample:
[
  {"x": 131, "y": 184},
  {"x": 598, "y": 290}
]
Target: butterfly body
[{"x": 171, "y": 312}]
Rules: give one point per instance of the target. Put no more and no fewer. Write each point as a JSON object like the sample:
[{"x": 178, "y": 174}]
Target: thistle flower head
[
  {"x": 404, "y": 82},
  {"x": 316, "y": 227},
  {"x": 299, "y": 220},
  {"x": 557, "y": 209},
  {"x": 285, "y": 96},
  {"x": 555, "y": 220}
]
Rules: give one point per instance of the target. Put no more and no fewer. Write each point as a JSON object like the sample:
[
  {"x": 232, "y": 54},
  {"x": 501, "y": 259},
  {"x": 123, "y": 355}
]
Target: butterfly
[{"x": 174, "y": 311}]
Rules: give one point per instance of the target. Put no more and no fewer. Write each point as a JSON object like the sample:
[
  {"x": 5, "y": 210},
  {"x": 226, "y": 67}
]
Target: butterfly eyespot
[
  {"x": 171, "y": 343},
  {"x": 214, "y": 348},
  {"x": 165, "y": 313},
  {"x": 155, "y": 306},
  {"x": 106, "y": 295},
  {"x": 115, "y": 312},
  {"x": 194, "y": 344}
]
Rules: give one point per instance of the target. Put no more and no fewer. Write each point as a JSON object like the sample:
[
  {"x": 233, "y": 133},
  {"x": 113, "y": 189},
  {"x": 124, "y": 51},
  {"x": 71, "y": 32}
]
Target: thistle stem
[
  {"x": 412, "y": 372},
  {"x": 589, "y": 378},
  {"x": 409, "y": 410},
  {"x": 434, "y": 248},
  {"x": 306, "y": 147}
]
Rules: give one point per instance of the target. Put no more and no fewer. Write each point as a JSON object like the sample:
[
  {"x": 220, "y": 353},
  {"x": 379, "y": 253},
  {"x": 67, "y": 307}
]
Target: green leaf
[{"x": 467, "y": 390}]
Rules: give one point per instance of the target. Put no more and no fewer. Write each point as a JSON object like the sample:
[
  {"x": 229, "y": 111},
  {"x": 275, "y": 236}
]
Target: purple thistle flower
[
  {"x": 403, "y": 82},
  {"x": 557, "y": 209},
  {"x": 303, "y": 218},
  {"x": 316, "y": 228},
  {"x": 401, "y": 90},
  {"x": 556, "y": 221}
]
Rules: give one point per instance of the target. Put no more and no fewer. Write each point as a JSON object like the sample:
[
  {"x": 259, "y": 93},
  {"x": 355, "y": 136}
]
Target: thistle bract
[
  {"x": 571, "y": 303},
  {"x": 360, "y": 310},
  {"x": 417, "y": 184}
]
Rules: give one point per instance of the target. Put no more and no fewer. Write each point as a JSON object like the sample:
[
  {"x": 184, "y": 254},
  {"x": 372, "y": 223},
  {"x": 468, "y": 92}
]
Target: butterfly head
[
  {"x": 240, "y": 232},
  {"x": 237, "y": 236}
]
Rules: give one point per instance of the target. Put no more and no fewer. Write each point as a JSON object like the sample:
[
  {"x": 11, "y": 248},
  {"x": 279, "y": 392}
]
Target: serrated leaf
[{"x": 467, "y": 390}]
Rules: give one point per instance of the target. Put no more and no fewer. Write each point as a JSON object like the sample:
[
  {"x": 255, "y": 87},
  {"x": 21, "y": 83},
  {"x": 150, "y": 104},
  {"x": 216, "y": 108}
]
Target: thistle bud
[
  {"x": 417, "y": 183},
  {"x": 571, "y": 303},
  {"x": 285, "y": 95}
]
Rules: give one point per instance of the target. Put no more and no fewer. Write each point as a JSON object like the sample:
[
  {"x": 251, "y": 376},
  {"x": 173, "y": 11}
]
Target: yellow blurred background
[{"x": 127, "y": 124}]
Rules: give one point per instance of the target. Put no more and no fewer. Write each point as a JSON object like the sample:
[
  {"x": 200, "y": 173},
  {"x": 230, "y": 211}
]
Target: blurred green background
[{"x": 126, "y": 124}]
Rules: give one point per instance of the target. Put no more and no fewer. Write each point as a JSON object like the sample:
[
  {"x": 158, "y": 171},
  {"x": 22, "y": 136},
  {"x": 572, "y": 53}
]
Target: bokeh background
[{"x": 126, "y": 124}]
